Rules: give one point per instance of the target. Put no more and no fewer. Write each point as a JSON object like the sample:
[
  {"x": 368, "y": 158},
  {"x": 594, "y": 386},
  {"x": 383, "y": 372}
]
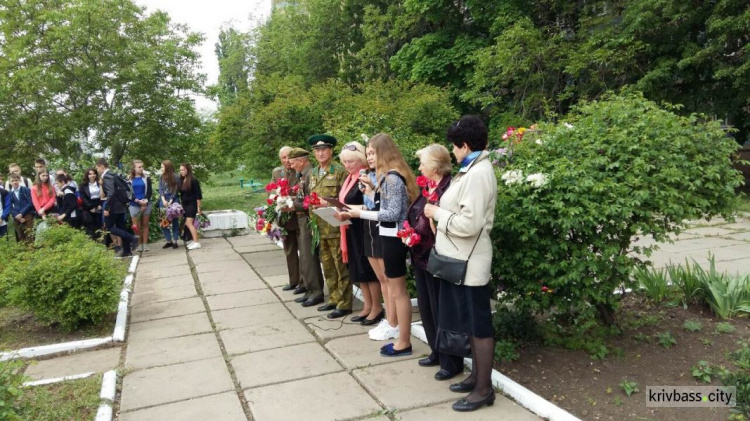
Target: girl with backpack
[
  {"x": 140, "y": 206},
  {"x": 67, "y": 202}
]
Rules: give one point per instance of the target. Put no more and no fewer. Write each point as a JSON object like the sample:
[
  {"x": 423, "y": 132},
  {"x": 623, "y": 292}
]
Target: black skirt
[
  {"x": 359, "y": 267},
  {"x": 373, "y": 243},
  {"x": 465, "y": 309},
  {"x": 394, "y": 255}
]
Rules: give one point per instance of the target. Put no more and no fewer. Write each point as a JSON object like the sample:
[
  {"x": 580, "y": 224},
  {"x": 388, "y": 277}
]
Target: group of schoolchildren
[{"x": 99, "y": 203}]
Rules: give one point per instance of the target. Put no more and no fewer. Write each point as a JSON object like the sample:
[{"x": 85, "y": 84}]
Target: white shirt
[{"x": 94, "y": 190}]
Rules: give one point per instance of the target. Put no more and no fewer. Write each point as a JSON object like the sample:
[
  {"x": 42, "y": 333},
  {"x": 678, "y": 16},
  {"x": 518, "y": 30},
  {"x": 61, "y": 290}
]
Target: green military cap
[
  {"x": 322, "y": 141},
  {"x": 297, "y": 153}
]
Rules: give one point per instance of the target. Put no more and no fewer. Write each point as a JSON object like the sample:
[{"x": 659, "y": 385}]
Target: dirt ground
[
  {"x": 19, "y": 329},
  {"x": 590, "y": 388}
]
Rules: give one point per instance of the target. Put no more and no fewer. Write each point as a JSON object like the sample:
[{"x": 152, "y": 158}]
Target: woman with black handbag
[{"x": 462, "y": 258}]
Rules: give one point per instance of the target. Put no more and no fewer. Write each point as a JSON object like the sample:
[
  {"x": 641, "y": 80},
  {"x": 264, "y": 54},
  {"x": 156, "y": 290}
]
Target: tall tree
[
  {"x": 232, "y": 51},
  {"x": 96, "y": 73}
]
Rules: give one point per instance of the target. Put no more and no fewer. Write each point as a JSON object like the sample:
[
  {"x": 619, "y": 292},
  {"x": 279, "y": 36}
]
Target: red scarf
[{"x": 348, "y": 184}]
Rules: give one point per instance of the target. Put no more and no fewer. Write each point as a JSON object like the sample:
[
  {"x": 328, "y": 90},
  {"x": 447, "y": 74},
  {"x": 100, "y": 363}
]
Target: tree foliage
[{"x": 95, "y": 76}]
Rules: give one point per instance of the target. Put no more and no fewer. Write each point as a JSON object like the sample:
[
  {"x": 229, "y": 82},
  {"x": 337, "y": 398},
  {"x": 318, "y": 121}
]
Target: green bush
[
  {"x": 726, "y": 295},
  {"x": 687, "y": 281},
  {"x": 617, "y": 169},
  {"x": 653, "y": 282},
  {"x": 11, "y": 379},
  {"x": 68, "y": 280}
]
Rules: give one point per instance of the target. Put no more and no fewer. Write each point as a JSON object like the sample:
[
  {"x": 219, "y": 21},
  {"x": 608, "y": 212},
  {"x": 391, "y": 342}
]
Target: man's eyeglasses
[{"x": 350, "y": 147}]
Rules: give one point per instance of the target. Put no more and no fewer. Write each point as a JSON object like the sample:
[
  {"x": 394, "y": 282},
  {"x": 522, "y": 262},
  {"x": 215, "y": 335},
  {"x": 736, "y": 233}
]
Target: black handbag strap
[{"x": 454, "y": 244}]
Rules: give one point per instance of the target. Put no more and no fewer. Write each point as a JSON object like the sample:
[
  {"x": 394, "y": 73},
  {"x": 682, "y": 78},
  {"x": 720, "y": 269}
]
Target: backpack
[{"x": 123, "y": 189}]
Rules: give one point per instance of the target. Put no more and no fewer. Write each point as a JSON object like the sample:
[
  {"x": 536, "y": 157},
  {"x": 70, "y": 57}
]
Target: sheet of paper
[{"x": 327, "y": 215}]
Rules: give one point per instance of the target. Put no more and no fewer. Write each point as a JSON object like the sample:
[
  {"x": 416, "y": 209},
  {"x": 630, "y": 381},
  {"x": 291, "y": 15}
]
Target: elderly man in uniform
[
  {"x": 326, "y": 179},
  {"x": 309, "y": 263},
  {"x": 291, "y": 226}
]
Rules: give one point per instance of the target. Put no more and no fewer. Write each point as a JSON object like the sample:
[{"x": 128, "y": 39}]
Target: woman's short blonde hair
[
  {"x": 436, "y": 157},
  {"x": 353, "y": 150}
]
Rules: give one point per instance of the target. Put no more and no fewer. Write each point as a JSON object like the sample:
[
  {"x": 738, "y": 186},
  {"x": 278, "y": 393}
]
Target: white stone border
[
  {"x": 106, "y": 394},
  {"x": 118, "y": 334}
]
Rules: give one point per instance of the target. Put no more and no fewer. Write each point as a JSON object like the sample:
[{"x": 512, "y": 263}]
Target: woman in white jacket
[{"x": 464, "y": 219}]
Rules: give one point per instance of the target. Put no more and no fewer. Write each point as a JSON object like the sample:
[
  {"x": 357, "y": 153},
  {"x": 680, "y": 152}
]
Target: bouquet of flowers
[
  {"x": 408, "y": 235},
  {"x": 174, "y": 211},
  {"x": 201, "y": 221},
  {"x": 311, "y": 200},
  {"x": 280, "y": 194},
  {"x": 265, "y": 225},
  {"x": 426, "y": 184}
]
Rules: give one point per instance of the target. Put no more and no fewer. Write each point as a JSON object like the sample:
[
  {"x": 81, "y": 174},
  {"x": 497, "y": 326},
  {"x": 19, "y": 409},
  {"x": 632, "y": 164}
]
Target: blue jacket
[
  {"x": 21, "y": 205},
  {"x": 5, "y": 199}
]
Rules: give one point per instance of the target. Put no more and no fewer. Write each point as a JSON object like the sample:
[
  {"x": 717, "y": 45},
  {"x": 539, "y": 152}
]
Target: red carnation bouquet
[
  {"x": 426, "y": 184},
  {"x": 408, "y": 235}
]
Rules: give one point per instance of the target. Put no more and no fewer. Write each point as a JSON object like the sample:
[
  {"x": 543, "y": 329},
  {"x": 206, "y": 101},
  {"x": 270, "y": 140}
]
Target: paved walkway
[{"x": 224, "y": 342}]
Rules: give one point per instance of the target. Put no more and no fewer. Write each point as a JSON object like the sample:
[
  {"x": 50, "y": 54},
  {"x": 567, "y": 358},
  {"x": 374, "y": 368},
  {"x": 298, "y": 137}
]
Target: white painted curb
[
  {"x": 117, "y": 336},
  {"x": 58, "y": 379},
  {"x": 108, "y": 393}
]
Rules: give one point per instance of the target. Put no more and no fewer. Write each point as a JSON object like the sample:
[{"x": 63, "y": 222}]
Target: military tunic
[
  {"x": 309, "y": 263},
  {"x": 327, "y": 183},
  {"x": 291, "y": 226}
]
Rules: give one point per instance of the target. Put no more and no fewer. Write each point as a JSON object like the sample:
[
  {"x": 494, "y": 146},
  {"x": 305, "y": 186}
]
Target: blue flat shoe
[{"x": 389, "y": 351}]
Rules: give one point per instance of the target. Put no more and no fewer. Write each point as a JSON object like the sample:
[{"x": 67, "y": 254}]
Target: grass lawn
[
  {"x": 222, "y": 191},
  {"x": 70, "y": 400}
]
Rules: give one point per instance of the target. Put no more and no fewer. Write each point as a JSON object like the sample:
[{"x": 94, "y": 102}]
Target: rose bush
[{"x": 576, "y": 195}]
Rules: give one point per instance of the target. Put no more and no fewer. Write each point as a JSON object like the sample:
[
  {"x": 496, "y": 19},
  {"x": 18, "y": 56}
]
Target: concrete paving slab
[
  {"x": 154, "y": 311},
  {"x": 277, "y": 280},
  {"x": 250, "y": 316},
  {"x": 269, "y": 261},
  {"x": 147, "y": 354},
  {"x": 157, "y": 254},
  {"x": 85, "y": 362},
  {"x": 734, "y": 267},
  {"x": 359, "y": 351},
  {"x": 162, "y": 272},
  {"x": 238, "y": 265},
  {"x": 327, "y": 329},
  {"x": 503, "y": 409},
  {"x": 662, "y": 259},
  {"x": 221, "y": 407},
  {"x": 266, "y": 336},
  {"x": 697, "y": 244},
  {"x": 256, "y": 248},
  {"x": 705, "y": 222},
  {"x": 151, "y": 285},
  {"x": 733, "y": 252},
  {"x": 712, "y": 231},
  {"x": 312, "y": 400},
  {"x": 211, "y": 277},
  {"x": 202, "y": 256},
  {"x": 405, "y": 385},
  {"x": 169, "y": 328},
  {"x": 739, "y": 236},
  {"x": 287, "y": 296},
  {"x": 168, "y": 294},
  {"x": 249, "y": 240},
  {"x": 283, "y": 364},
  {"x": 742, "y": 225},
  {"x": 273, "y": 270},
  {"x": 263, "y": 256},
  {"x": 161, "y": 385},
  {"x": 169, "y": 261},
  {"x": 215, "y": 288},
  {"x": 241, "y": 299}
]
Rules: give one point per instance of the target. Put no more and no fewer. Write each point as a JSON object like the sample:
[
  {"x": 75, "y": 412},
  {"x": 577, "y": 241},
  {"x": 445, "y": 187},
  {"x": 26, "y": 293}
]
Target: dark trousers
[
  {"x": 309, "y": 262},
  {"x": 428, "y": 291},
  {"x": 291, "y": 250},
  {"x": 116, "y": 225},
  {"x": 3, "y": 231},
  {"x": 25, "y": 230},
  {"x": 92, "y": 223}
]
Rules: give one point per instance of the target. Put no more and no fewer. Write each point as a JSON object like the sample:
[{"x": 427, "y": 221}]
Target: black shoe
[
  {"x": 358, "y": 319},
  {"x": 428, "y": 362},
  {"x": 175, "y": 245},
  {"x": 301, "y": 299},
  {"x": 462, "y": 405},
  {"x": 444, "y": 375},
  {"x": 462, "y": 387},
  {"x": 335, "y": 314},
  {"x": 376, "y": 320},
  {"x": 134, "y": 243},
  {"x": 300, "y": 290},
  {"x": 288, "y": 287},
  {"x": 124, "y": 255},
  {"x": 167, "y": 245},
  {"x": 327, "y": 307},
  {"x": 312, "y": 301}
]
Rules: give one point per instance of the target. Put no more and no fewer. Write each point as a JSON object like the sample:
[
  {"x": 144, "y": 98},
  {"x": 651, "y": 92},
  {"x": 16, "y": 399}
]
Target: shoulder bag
[{"x": 446, "y": 267}]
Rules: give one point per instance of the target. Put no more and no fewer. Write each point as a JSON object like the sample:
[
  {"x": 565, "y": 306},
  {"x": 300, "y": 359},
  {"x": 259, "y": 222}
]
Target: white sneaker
[
  {"x": 194, "y": 246},
  {"x": 145, "y": 247},
  {"x": 386, "y": 333},
  {"x": 189, "y": 243},
  {"x": 374, "y": 331}
]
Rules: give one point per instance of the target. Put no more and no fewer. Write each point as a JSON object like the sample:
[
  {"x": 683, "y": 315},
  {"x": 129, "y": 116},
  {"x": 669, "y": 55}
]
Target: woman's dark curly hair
[{"x": 470, "y": 130}]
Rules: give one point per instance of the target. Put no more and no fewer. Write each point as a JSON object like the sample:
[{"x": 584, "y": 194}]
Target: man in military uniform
[
  {"x": 309, "y": 263},
  {"x": 326, "y": 179},
  {"x": 291, "y": 225}
]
